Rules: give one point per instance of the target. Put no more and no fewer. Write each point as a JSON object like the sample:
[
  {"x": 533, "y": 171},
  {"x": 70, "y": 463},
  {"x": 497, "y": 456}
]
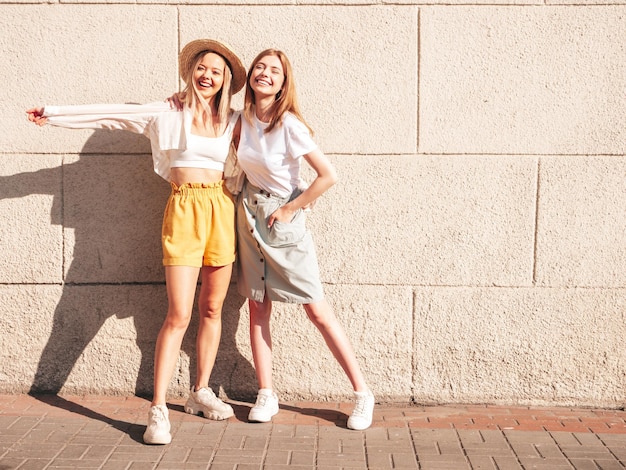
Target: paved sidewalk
[{"x": 49, "y": 432}]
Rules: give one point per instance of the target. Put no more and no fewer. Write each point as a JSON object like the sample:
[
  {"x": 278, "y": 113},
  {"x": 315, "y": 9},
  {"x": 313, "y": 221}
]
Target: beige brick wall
[{"x": 474, "y": 249}]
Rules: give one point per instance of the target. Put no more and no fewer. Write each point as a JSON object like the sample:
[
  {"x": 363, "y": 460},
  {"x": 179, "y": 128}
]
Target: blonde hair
[
  {"x": 286, "y": 99},
  {"x": 222, "y": 98}
]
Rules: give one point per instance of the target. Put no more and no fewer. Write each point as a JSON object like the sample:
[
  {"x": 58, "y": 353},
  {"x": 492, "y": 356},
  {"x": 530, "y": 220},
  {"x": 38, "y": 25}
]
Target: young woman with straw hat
[{"x": 189, "y": 149}]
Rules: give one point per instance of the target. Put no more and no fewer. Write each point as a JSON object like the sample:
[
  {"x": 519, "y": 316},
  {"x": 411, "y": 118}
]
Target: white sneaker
[
  {"x": 204, "y": 401},
  {"x": 158, "y": 430},
  {"x": 361, "y": 417},
  {"x": 265, "y": 407}
]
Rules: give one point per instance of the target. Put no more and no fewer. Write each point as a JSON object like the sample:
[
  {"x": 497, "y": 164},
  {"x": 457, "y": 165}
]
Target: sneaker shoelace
[
  {"x": 158, "y": 415},
  {"x": 210, "y": 395},
  {"x": 260, "y": 401},
  {"x": 359, "y": 408},
  {"x": 216, "y": 402}
]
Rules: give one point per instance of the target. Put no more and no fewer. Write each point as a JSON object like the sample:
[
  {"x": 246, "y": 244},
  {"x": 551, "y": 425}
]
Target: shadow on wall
[{"x": 114, "y": 205}]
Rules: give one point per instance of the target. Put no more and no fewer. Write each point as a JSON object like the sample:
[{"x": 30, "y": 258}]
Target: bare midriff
[{"x": 180, "y": 176}]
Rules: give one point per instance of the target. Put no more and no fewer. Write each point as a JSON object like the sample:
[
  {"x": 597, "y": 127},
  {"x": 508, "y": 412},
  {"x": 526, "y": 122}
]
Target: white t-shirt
[{"x": 271, "y": 160}]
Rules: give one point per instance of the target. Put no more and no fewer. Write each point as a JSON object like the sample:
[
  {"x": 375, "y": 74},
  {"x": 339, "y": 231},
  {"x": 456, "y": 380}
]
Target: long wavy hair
[
  {"x": 222, "y": 98},
  {"x": 286, "y": 100}
]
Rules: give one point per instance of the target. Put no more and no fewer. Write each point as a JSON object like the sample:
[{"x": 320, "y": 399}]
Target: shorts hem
[
  {"x": 219, "y": 262},
  {"x": 198, "y": 264},
  {"x": 182, "y": 262}
]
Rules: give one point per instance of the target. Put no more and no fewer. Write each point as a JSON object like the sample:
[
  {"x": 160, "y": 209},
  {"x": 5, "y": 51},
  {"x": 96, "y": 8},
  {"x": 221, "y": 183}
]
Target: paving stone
[
  {"x": 507, "y": 463},
  {"x": 545, "y": 463},
  {"x": 445, "y": 465},
  {"x": 278, "y": 457}
]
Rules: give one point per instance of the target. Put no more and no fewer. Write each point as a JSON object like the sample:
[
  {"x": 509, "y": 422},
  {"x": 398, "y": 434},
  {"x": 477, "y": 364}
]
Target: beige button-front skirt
[{"x": 279, "y": 261}]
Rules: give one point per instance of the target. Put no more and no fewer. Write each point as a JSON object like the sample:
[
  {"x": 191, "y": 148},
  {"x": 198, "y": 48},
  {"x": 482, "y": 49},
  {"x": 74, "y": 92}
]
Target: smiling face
[
  {"x": 267, "y": 77},
  {"x": 208, "y": 75}
]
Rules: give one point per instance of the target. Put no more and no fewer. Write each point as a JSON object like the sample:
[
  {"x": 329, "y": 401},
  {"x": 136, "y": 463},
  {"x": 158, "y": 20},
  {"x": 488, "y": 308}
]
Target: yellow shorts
[{"x": 199, "y": 226}]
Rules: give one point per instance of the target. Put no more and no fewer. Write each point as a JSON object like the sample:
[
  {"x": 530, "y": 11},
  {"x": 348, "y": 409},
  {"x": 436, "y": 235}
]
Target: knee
[
  {"x": 320, "y": 321},
  {"x": 177, "y": 320},
  {"x": 211, "y": 309},
  {"x": 322, "y": 318}
]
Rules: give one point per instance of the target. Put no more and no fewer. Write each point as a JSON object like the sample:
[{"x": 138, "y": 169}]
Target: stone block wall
[{"x": 474, "y": 248}]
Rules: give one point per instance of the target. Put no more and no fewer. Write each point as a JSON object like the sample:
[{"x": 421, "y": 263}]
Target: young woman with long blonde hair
[{"x": 189, "y": 148}]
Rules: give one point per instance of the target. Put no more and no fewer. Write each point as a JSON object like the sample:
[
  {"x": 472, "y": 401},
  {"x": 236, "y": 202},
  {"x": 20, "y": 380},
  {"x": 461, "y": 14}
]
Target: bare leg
[
  {"x": 215, "y": 282},
  {"x": 261, "y": 341},
  {"x": 322, "y": 316},
  {"x": 181, "y": 288}
]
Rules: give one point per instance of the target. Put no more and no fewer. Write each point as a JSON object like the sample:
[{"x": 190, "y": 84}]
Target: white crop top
[
  {"x": 206, "y": 152},
  {"x": 203, "y": 152}
]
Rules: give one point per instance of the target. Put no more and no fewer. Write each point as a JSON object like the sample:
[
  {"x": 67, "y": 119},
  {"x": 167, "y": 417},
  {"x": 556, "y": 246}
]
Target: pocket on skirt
[{"x": 287, "y": 233}]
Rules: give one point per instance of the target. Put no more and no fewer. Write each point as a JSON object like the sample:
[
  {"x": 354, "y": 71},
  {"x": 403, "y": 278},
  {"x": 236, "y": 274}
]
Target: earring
[{"x": 279, "y": 94}]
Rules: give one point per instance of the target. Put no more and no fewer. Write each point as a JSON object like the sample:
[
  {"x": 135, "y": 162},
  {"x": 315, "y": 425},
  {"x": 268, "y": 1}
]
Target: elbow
[{"x": 333, "y": 178}]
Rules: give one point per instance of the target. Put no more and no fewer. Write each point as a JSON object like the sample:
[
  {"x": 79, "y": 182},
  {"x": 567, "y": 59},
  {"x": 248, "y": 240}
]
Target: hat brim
[{"x": 191, "y": 51}]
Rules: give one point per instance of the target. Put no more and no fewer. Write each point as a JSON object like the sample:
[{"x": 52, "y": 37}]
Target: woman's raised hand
[{"x": 36, "y": 115}]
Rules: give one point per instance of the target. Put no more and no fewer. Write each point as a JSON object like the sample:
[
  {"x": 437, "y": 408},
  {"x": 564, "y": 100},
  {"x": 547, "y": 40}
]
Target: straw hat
[{"x": 186, "y": 60}]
